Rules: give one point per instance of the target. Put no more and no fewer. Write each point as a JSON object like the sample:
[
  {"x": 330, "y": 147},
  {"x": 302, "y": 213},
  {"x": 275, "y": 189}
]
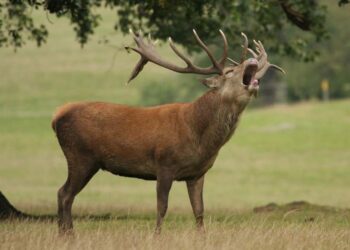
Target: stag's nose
[{"x": 255, "y": 83}]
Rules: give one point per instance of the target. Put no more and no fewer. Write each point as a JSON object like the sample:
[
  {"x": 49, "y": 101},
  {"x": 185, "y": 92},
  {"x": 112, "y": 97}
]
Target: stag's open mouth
[{"x": 249, "y": 74}]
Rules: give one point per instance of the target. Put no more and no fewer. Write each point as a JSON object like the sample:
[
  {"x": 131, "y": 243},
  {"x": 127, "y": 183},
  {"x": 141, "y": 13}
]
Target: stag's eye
[{"x": 229, "y": 73}]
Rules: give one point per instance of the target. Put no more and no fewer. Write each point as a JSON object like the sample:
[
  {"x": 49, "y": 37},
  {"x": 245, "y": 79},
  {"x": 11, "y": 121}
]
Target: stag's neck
[{"x": 214, "y": 120}]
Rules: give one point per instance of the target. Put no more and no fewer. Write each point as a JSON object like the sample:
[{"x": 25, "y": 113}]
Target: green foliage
[
  {"x": 17, "y": 25},
  {"x": 342, "y": 2},
  {"x": 304, "y": 79},
  {"x": 259, "y": 19},
  {"x": 266, "y": 20}
]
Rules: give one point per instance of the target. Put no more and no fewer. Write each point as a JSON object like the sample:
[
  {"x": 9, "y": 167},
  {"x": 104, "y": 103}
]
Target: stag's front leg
[
  {"x": 164, "y": 182},
  {"x": 195, "y": 192}
]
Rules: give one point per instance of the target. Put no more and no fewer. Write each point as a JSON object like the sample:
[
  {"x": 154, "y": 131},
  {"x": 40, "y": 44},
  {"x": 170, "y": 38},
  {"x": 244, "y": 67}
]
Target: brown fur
[{"x": 165, "y": 143}]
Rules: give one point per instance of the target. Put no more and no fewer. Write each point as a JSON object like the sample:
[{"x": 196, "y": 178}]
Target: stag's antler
[
  {"x": 148, "y": 53},
  {"x": 245, "y": 47},
  {"x": 263, "y": 65},
  {"x": 244, "y": 51}
]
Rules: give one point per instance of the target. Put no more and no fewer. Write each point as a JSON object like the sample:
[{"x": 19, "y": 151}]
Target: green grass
[{"x": 278, "y": 154}]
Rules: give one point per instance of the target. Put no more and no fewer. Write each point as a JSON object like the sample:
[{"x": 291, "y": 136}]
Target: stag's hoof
[{"x": 157, "y": 231}]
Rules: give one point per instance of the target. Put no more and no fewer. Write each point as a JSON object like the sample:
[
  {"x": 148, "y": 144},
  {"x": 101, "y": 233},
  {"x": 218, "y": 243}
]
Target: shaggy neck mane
[{"x": 214, "y": 120}]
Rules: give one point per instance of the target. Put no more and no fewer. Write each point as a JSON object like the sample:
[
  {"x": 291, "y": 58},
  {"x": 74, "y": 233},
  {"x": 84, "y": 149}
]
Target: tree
[
  {"x": 304, "y": 80},
  {"x": 266, "y": 20}
]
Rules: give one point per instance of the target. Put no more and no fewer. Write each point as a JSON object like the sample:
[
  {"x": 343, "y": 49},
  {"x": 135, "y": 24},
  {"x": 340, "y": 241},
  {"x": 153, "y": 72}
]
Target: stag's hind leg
[
  {"x": 195, "y": 192},
  {"x": 79, "y": 174}
]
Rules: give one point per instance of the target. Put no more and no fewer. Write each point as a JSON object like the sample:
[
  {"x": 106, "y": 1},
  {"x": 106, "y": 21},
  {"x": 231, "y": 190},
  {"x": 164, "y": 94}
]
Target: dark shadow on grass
[
  {"x": 9, "y": 212},
  {"x": 298, "y": 211}
]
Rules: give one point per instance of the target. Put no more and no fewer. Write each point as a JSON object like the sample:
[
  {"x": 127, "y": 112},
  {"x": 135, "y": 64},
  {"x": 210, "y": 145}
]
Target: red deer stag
[{"x": 178, "y": 141}]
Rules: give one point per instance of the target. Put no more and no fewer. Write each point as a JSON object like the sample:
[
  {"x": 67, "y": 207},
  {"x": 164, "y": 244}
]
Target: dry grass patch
[
  {"x": 297, "y": 225},
  {"x": 249, "y": 235}
]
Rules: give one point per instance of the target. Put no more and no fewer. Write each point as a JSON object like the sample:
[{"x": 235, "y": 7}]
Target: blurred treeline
[
  {"x": 333, "y": 64},
  {"x": 302, "y": 81}
]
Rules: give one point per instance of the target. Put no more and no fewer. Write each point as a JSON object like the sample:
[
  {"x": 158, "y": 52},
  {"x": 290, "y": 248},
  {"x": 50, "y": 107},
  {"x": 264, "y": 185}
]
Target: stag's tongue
[{"x": 254, "y": 82}]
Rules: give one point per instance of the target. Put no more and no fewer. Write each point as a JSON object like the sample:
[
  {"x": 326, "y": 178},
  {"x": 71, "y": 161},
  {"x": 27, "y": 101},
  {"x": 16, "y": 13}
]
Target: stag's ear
[{"x": 212, "y": 82}]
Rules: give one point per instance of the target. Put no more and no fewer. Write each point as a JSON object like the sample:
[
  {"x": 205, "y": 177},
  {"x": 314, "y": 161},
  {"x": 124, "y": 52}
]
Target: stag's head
[{"x": 235, "y": 82}]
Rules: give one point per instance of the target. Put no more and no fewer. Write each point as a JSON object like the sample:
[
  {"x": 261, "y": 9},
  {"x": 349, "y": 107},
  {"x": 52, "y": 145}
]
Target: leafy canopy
[{"x": 272, "y": 21}]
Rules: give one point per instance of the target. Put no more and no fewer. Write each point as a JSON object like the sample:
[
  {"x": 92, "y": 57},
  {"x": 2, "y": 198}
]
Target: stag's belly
[
  {"x": 145, "y": 171},
  {"x": 182, "y": 174},
  {"x": 140, "y": 174},
  {"x": 182, "y": 171}
]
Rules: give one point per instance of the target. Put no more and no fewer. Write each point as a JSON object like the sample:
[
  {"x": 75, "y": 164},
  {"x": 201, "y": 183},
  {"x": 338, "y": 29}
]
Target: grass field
[{"x": 279, "y": 154}]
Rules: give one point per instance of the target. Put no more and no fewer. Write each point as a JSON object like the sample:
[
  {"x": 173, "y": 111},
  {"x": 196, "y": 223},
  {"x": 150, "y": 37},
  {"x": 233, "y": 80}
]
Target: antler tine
[
  {"x": 245, "y": 48},
  {"x": 149, "y": 38},
  {"x": 138, "y": 68},
  {"x": 225, "y": 52},
  {"x": 232, "y": 61},
  {"x": 262, "y": 56},
  {"x": 256, "y": 43},
  {"x": 143, "y": 60},
  {"x": 263, "y": 63},
  {"x": 177, "y": 52},
  {"x": 151, "y": 41},
  {"x": 211, "y": 57},
  {"x": 257, "y": 48},
  {"x": 263, "y": 70},
  {"x": 261, "y": 47},
  {"x": 278, "y": 68},
  {"x": 137, "y": 38},
  {"x": 253, "y": 53}
]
